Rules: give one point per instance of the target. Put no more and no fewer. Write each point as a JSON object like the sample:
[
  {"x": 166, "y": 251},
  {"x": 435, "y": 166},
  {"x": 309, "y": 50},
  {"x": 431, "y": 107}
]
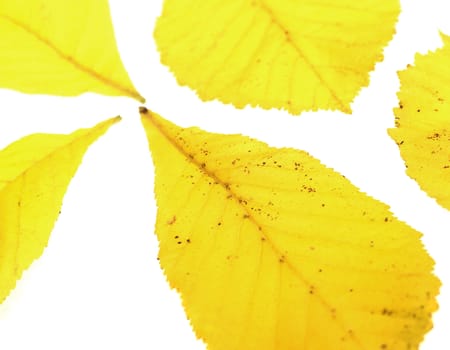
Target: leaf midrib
[{"x": 263, "y": 6}]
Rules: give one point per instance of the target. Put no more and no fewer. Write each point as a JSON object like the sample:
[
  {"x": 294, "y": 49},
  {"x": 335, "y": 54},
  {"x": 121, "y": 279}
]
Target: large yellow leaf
[
  {"x": 60, "y": 47},
  {"x": 34, "y": 174},
  {"x": 272, "y": 250},
  {"x": 423, "y": 122},
  {"x": 296, "y": 55}
]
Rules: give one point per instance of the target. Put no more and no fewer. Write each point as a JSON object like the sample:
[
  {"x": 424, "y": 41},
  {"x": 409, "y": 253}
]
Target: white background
[{"x": 98, "y": 284}]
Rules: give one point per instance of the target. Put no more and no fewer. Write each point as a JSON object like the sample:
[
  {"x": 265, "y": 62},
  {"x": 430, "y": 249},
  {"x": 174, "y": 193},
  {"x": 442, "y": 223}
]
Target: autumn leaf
[
  {"x": 34, "y": 174},
  {"x": 423, "y": 122},
  {"x": 275, "y": 53},
  {"x": 272, "y": 250},
  {"x": 61, "y": 47}
]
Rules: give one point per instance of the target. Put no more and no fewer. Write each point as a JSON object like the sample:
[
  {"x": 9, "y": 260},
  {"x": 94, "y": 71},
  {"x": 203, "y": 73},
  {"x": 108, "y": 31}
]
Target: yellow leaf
[
  {"x": 60, "y": 47},
  {"x": 34, "y": 174},
  {"x": 423, "y": 122},
  {"x": 302, "y": 55},
  {"x": 272, "y": 250}
]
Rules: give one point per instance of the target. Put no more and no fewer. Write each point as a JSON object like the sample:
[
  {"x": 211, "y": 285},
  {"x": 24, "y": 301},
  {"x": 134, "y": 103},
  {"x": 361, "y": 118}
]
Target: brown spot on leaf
[{"x": 386, "y": 312}]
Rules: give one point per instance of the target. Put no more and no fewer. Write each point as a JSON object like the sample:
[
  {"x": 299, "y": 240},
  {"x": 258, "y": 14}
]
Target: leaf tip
[
  {"x": 139, "y": 97},
  {"x": 111, "y": 121}
]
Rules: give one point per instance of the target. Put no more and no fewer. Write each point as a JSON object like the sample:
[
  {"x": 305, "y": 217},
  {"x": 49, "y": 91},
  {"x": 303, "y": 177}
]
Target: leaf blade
[
  {"x": 34, "y": 174},
  {"x": 423, "y": 122},
  {"x": 275, "y": 54},
  {"x": 267, "y": 258},
  {"x": 62, "y": 48}
]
